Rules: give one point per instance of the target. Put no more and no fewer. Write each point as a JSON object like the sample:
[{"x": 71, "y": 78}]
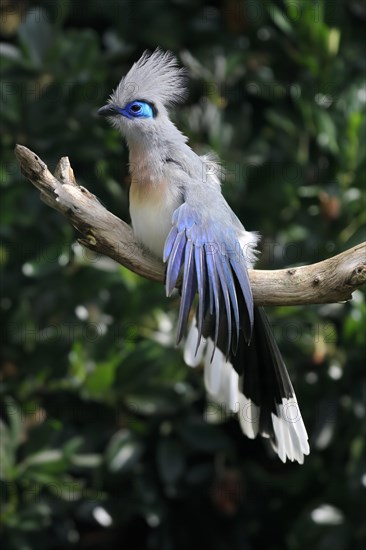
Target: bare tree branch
[{"x": 332, "y": 280}]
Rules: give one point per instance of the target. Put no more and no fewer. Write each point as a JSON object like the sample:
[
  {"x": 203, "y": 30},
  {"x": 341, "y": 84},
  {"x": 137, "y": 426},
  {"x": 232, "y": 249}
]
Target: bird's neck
[
  {"x": 149, "y": 154},
  {"x": 146, "y": 163}
]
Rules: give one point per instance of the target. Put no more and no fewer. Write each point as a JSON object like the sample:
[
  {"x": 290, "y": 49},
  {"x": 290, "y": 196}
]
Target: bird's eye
[
  {"x": 135, "y": 108},
  {"x": 138, "y": 109}
]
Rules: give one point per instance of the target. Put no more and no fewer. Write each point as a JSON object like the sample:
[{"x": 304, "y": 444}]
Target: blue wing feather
[
  {"x": 214, "y": 275},
  {"x": 189, "y": 288},
  {"x": 170, "y": 242},
  {"x": 233, "y": 298},
  {"x": 225, "y": 294},
  {"x": 243, "y": 279},
  {"x": 201, "y": 283},
  {"x": 214, "y": 290},
  {"x": 175, "y": 262}
]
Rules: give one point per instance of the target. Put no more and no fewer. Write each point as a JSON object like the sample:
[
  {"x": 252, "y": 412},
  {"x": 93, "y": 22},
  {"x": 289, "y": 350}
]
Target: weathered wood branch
[{"x": 332, "y": 280}]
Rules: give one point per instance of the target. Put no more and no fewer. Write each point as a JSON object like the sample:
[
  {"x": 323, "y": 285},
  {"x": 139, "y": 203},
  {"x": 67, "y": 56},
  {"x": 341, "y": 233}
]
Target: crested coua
[{"x": 179, "y": 213}]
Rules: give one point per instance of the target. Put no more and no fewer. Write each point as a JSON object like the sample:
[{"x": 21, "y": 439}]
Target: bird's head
[{"x": 138, "y": 107}]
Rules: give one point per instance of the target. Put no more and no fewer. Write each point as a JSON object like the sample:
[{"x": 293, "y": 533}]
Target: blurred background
[{"x": 107, "y": 438}]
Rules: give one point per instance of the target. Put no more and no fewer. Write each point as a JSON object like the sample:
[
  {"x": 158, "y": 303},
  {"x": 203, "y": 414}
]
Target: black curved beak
[{"x": 108, "y": 110}]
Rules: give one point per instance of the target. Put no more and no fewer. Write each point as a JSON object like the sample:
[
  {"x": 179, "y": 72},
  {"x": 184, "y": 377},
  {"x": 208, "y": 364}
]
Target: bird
[{"x": 179, "y": 214}]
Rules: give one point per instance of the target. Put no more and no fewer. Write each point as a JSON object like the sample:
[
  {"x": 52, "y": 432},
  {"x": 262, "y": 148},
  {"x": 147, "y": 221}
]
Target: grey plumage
[
  {"x": 179, "y": 213},
  {"x": 156, "y": 78}
]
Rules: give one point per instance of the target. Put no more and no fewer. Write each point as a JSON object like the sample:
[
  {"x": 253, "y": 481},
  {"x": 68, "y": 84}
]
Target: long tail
[{"x": 255, "y": 384}]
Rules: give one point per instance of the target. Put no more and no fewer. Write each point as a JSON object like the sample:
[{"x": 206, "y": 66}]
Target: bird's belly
[{"x": 152, "y": 221}]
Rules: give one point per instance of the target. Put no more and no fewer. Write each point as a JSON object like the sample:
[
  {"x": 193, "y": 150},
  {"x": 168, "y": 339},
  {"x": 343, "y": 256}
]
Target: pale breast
[{"x": 151, "y": 210}]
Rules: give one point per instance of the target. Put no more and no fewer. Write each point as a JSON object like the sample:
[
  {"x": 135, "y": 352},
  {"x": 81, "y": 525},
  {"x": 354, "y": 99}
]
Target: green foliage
[{"x": 107, "y": 440}]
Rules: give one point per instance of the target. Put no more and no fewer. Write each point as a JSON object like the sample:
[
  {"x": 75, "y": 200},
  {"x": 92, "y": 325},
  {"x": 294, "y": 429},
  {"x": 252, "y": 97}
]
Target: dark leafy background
[{"x": 105, "y": 436}]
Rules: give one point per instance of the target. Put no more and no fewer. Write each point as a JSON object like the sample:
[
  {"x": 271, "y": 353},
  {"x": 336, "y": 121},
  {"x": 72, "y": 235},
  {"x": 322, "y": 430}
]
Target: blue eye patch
[{"x": 138, "y": 109}]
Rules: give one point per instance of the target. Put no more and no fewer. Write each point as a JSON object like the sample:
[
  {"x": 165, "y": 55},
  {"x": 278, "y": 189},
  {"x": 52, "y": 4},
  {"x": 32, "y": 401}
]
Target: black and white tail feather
[{"x": 262, "y": 395}]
